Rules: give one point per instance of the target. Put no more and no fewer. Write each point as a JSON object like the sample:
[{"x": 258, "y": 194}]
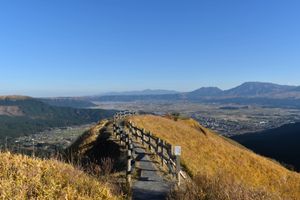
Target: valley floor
[
  {"x": 46, "y": 143},
  {"x": 226, "y": 119}
]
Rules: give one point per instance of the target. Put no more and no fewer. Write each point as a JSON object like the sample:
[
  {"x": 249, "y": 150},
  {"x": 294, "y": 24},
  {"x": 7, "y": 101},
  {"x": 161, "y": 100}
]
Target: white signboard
[{"x": 177, "y": 150}]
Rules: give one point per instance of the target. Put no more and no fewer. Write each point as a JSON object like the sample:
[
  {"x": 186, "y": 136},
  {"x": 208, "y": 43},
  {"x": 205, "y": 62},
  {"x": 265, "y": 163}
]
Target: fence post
[
  {"x": 162, "y": 146},
  {"x": 157, "y": 141},
  {"x": 142, "y": 137},
  {"x": 149, "y": 141},
  {"x": 135, "y": 133},
  {"x": 169, "y": 150},
  {"x": 178, "y": 169},
  {"x": 129, "y": 161},
  {"x": 33, "y": 149},
  {"x": 127, "y": 141},
  {"x": 177, "y": 153}
]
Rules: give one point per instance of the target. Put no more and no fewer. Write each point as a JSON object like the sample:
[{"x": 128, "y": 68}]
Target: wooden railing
[
  {"x": 125, "y": 140},
  {"x": 159, "y": 147},
  {"x": 124, "y": 114},
  {"x": 162, "y": 149}
]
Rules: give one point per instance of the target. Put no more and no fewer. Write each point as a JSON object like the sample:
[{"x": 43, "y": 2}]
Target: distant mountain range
[
  {"x": 260, "y": 93},
  {"x": 253, "y": 89}
]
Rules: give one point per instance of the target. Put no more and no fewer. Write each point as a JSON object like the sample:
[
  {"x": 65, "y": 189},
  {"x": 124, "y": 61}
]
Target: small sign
[{"x": 177, "y": 150}]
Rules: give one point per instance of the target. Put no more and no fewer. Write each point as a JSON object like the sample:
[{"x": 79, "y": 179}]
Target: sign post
[{"x": 177, "y": 153}]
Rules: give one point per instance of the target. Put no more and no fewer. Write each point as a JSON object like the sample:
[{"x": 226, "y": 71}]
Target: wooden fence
[
  {"x": 163, "y": 150},
  {"x": 125, "y": 140},
  {"x": 123, "y": 114}
]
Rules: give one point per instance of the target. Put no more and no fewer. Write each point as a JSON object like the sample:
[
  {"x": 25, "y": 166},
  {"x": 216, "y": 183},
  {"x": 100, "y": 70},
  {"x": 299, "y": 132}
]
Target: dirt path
[{"x": 150, "y": 184}]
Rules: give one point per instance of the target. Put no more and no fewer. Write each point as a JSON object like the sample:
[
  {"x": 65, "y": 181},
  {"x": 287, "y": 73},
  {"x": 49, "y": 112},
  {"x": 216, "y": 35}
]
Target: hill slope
[
  {"x": 281, "y": 143},
  {"x": 27, "y": 178},
  {"x": 206, "y": 153},
  {"x": 68, "y": 102},
  {"x": 31, "y": 115}
]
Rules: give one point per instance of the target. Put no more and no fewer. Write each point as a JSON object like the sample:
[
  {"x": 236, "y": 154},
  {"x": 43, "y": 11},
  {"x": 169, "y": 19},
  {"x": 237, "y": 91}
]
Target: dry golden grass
[
  {"x": 206, "y": 153},
  {"x": 218, "y": 187},
  {"x": 22, "y": 177},
  {"x": 86, "y": 141}
]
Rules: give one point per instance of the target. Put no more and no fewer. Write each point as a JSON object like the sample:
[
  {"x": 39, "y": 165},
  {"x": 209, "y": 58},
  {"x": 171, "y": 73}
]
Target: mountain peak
[
  {"x": 206, "y": 91},
  {"x": 257, "y": 88}
]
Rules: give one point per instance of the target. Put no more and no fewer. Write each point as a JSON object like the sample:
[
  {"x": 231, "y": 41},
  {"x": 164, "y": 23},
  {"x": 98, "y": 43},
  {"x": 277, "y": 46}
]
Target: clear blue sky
[{"x": 79, "y": 47}]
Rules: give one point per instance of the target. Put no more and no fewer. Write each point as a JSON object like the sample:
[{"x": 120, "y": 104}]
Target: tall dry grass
[
  {"x": 205, "y": 153},
  {"x": 219, "y": 187},
  {"x": 22, "y": 177},
  {"x": 86, "y": 141}
]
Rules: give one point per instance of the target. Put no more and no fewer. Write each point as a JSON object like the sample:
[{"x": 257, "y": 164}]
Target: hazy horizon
[
  {"x": 76, "y": 48},
  {"x": 76, "y": 94}
]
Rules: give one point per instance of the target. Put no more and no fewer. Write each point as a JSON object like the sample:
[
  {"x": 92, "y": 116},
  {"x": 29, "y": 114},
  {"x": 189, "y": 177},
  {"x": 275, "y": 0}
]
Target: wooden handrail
[
  {"x": 156, "y": 143},
  {"x": 160, "y": 147}
]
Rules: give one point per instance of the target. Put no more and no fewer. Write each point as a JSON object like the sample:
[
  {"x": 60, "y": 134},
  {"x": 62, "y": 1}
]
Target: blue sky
[{"x": 81, "y": 47}]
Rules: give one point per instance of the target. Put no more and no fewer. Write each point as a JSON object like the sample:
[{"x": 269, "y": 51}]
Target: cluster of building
[{"x": 230, "y": 128}]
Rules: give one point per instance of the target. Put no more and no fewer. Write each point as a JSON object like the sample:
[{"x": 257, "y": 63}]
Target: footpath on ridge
[
  {"x": 149, "y": 183},
  {"x": 149, "y": 180}
]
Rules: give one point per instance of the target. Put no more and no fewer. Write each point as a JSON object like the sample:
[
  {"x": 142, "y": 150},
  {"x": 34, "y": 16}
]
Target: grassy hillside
[
  {"x": 280, "y": 143},
  {"x": 34, "y": 116},
  {"x": 86, "y": 141},
  {"x": 27, "y": 178},
  {"x": 95, "y": 146},
  {"x": 207, "y": 154}
]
